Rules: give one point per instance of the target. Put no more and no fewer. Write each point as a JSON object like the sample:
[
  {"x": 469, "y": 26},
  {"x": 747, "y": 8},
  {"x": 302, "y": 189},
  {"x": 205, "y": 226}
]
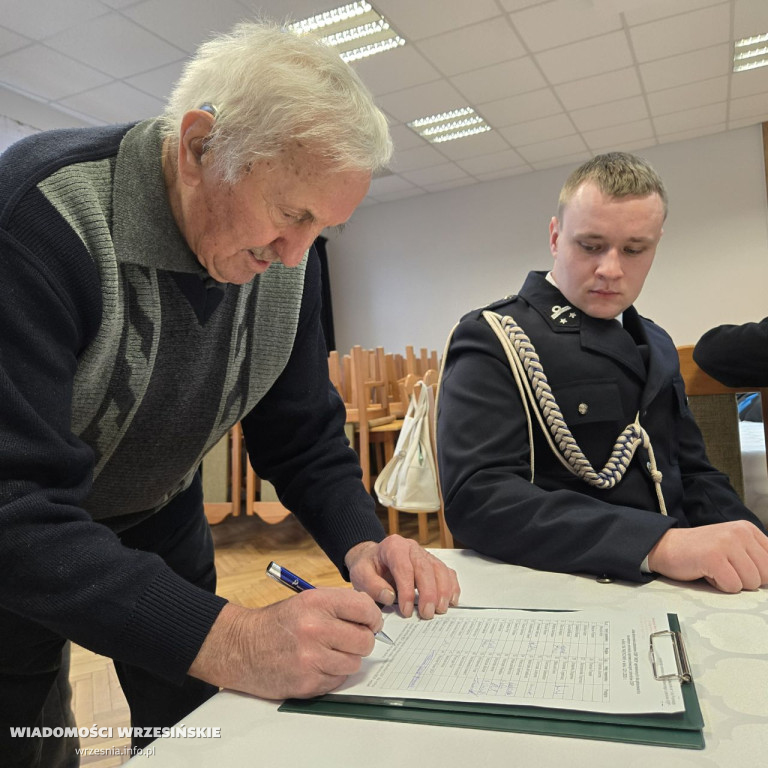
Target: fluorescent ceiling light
[
  {"x": 356, "y": 30},
  {"x": 750, "y": 53},
  {"x": 448, "y": 126}
]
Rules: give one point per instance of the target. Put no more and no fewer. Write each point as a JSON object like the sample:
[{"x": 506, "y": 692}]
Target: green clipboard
[{"x": 679, "y": 729}]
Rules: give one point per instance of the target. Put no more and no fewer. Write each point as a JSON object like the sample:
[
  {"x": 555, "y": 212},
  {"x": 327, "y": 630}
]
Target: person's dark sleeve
[
  {"x": 295, "y": 439},
  {"x": 735, "y": 355},
  {"x": 57, "y": 566},
  {"x": 708, "y": 496},
  {"x": 485, "y": 471}
]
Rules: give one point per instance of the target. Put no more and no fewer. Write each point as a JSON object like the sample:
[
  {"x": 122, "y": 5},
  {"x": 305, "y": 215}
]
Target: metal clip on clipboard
[{"x": 683, "y": 673}]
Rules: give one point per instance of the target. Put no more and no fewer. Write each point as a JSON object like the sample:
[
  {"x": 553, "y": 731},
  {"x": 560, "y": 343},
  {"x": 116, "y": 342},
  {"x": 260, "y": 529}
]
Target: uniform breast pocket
[{"x": 588, "y": 402}]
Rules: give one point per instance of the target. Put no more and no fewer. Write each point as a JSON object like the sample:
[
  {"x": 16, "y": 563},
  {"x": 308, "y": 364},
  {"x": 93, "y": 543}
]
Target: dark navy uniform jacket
[
  {"x": 736, "y": 355},
  {"x": 602, "y": 375}
]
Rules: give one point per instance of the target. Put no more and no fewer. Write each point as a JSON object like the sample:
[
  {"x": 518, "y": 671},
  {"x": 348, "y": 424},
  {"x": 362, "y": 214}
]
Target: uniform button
[{"x": 583, "y": 408}]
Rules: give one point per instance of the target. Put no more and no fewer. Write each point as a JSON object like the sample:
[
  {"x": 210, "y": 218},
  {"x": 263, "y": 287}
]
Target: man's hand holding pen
[{"x": 304, "y": 646}]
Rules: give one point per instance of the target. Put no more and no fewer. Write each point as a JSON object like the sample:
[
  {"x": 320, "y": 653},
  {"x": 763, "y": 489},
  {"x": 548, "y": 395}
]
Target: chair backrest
[{"x": 716, "y": 412}]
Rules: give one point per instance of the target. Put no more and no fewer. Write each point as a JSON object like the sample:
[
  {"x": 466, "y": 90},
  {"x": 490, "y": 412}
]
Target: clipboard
[{"x": 679, "y": 729}]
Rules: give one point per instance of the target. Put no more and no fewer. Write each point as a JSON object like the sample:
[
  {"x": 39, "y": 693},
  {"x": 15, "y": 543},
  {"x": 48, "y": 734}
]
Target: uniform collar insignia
[{"x": 564, "y": 316}]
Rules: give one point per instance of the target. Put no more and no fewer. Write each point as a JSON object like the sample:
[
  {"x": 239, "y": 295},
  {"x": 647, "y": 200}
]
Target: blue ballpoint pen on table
[{"x": 297, "y": 584}]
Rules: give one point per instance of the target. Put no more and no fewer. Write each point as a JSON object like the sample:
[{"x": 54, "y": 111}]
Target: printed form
[{"x": 597, "y": 661}]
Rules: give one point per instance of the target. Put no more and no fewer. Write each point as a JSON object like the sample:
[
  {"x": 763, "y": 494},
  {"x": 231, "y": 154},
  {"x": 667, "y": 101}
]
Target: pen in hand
[{"x": 297, "y": 584}]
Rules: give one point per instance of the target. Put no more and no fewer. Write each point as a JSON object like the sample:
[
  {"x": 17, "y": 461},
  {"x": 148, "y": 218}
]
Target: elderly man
[
  {"x": 565, "y": 441},
  {"x": 156, "y": 290}
]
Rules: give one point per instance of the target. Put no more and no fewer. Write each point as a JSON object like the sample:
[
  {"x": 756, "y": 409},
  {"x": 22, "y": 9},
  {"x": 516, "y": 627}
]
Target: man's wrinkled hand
[
  {"x": 304, "y": 646},
  {"x": 396, "y": 568}
]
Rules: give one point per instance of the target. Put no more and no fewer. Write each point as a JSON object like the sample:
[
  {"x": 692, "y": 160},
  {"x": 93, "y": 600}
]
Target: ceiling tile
[
  {"x": 562, "y": 22},
  {"x": 47, "y": 74},
  {"x": 200, "y": 19},
  {"x": 11, "y": 41},
  {"x": 553, "y": 127},
  {"x": 158, "y": 82},
  {"x": 585, "y": 59},
  {"x": 425, "y": 18},
  {"x": 118, "y": 4},
  {"x": 690, "y": 118},
  {"x": 692, "y": 133},
  {"x": 504, "y": 172},
  {"x": 619, "y": 137},
  {"x": 435, "y": 175},
  {"x": 692, "y": 95},
  {"x": 473, "y": 47},
  {"x": 491, "y": 163},
  {"x": 520, "y": 109},
  {"x": 517, "y": 5},
  {"x": 469, "y": 146},
  {"x": 660, "y": 39},
  {"x": 626, "y": 145},
  {"x": 545, "y": 150},
  {"x": 416, "y": 158},
  {"x": 442, "y": 186},
  {"x": 499, "y": 80},
  {"x": 749, "y": 106},
  {"x": 686, "y": 68},
  {"x": 404, "y": 138},
  {"x": 422, "y": 100},
  {"x": 561, "y": 160},
  {"x": 115, "y": 103},
  {"x": 114, "y": 45},
  {"x": 395, "y": 70},
  {"x": 750, "y": 18},
  {"x": 614, "y": 113},
  {"x": 643, "y": 11},
  {"x": 39, "y": 19},
  {"x": 599, "y": 89}
]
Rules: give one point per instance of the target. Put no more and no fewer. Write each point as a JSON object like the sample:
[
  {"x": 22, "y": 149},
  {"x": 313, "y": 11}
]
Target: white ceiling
[{"x": 558, "y": 80}]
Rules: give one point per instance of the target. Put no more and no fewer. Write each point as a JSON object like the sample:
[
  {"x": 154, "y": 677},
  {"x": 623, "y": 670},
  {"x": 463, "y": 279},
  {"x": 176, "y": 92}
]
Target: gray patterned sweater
[{"x": 121, "y": 364}]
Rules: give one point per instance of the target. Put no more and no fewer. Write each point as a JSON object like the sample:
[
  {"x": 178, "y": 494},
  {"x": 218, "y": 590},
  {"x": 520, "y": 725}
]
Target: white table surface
[{"x": 726, "y": 637}]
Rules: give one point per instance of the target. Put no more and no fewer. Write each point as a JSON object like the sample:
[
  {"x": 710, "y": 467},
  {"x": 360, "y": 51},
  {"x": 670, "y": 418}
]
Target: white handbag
[{"x": 408, "y": 482}]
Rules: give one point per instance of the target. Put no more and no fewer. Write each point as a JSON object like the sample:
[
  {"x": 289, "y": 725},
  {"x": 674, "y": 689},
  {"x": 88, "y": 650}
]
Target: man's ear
[
  {"x": 195, "y": 127},
  {"x": 554, "y": 233}
]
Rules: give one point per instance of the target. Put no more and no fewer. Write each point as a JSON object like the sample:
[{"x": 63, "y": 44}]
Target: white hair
[{"x": 272, "y": 90}]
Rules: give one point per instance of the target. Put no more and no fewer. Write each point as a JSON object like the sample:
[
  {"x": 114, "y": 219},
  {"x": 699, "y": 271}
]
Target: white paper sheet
[{"x": 595, "y": 661}]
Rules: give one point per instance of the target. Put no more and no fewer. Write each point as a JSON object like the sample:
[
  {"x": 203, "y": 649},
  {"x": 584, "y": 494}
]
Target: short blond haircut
[
  {"x": 616, "y": 174},
  {"x": 273, "y": 90}
]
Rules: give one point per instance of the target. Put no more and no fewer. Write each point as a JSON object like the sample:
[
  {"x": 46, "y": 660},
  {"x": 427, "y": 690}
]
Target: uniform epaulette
[
  {"x": 501, "y": 302},
  {"x": 477, "y": 311}
]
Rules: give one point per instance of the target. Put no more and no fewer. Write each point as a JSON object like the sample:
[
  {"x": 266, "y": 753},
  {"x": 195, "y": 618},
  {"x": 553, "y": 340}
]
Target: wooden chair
[
  {"x": 715, "y": 409},
  {"x": 368, "y": 409},
  {"x": 222, "y": 477},
  {"x": 226, "y": 474}
]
